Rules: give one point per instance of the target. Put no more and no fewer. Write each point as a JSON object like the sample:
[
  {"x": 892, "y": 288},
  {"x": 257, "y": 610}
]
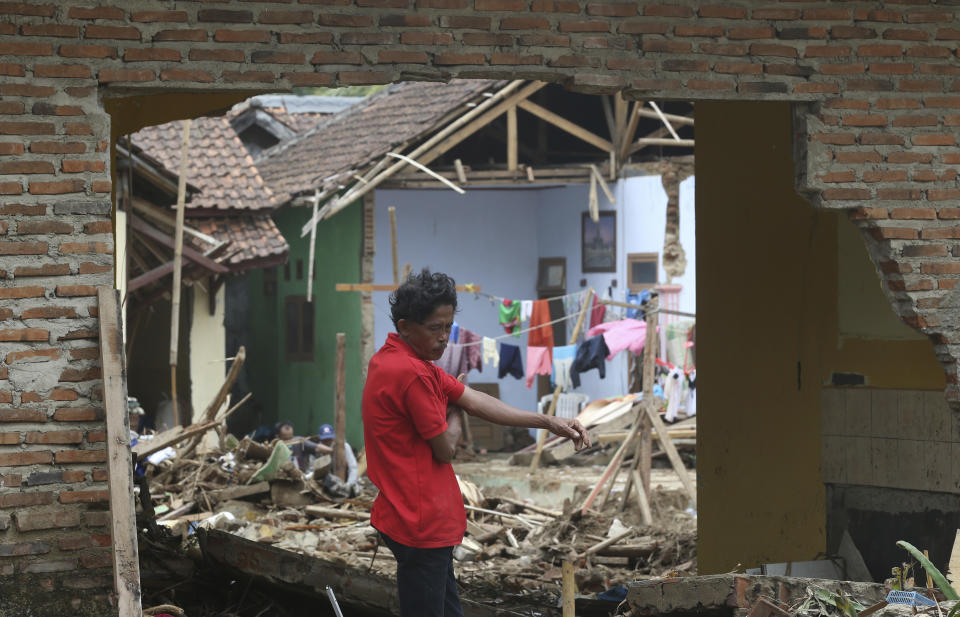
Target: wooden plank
[
  {"x": 631, "y": 130},
  {"x": 178, "y": 270},
  {"x": 320, "y": 511},
  {"x": 340, "y": 409},
  {"x": 393, "y": 244},
  {"x": 659, "y": 141},
  {"x": 195, "y": 256},
  {"x": 512, "y": 139},
  {"x": 568, "y": 589},
  {"x": 642, "y": 500},
  {"x": 565, "y": 125},
  {"x": 123, "y": 530},
  {"x": 542, "y": 434},
  {"x": 667, "y": 444},
  {"x": 370, "y": 287},
  {"x": 644, "y": 113},
  {"x": 236, "y": 492},
  {"x": 149, "y": 276}
]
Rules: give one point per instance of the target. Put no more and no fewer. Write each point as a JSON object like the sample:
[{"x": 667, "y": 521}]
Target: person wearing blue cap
[{"x": 326, "y": 435}]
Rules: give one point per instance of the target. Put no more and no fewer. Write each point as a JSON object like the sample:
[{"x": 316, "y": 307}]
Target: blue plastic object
[{"x": 910, "y": 598}]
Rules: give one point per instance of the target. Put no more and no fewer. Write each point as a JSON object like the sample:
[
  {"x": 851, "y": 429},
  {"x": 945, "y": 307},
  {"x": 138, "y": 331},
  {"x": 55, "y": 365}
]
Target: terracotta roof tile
[
  {"x": 219, "y": 165},
  {"x": 354, "y": 137},
  {"x": 252, "y": 237}
]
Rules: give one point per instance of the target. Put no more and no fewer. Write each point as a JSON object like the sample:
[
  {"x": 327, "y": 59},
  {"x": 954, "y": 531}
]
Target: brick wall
[{"x": 876, "y": 135}]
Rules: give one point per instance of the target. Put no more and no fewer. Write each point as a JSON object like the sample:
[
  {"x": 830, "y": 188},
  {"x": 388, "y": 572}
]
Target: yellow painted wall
[
  {"x": 768, "y": 340},
  {"x": 207, "y": 346}
]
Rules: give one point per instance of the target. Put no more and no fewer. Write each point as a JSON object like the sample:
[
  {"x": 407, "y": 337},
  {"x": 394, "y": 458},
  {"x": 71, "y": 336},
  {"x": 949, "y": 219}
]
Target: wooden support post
[
  {"x": 542, "y": 435},
  {"x": 642, "y": 498},
  {"x": 565, "y": 125},
  {"x": 177, "y": 267},
  {"x": 313, "y": 247},
  {"x": 123, "y": 529},
  {"x": 461, "y": 173},
  {"x": 667, "y": 444},
  {"x": 340, "y": 409},
  {"x": 613, "y": 468},
  {"x": 652, "y": 318},
  {"x": 393, "y": 244},
  {"x": 512, "y": 139},
  {"x": 569, "y": 589}
]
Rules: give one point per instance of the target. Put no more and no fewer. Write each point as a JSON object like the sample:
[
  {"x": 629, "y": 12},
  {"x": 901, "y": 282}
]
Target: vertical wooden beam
[
  {"x": 313, "y": 246},
  {"x": 340, "y": 409},
  {"x": 177, "y": 269},
  {"x": 652, "y": 318},
  {"x": 542, "y": 435},
  {"x": 512, "y": 139},
  {"x": 569, "y": 589},
  {"x": 123, "y": 529},
  {"x": 393, "y": 244}
]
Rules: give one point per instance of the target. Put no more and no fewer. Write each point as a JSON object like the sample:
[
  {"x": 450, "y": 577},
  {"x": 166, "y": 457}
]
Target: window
[
  {"x": 270, "y": 282},
  {"x": 299, "y": 329},
  {"x": 286, "y": 271},
  {"x": 642, "y": 270},
  {"x": 299, "y": 269}
]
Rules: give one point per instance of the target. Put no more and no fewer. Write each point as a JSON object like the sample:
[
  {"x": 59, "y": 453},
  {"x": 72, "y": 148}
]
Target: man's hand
[{"x": 570, "y": 427}]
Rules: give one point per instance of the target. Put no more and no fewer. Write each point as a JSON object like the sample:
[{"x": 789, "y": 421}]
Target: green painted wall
[{"x": 303, "y": 391}]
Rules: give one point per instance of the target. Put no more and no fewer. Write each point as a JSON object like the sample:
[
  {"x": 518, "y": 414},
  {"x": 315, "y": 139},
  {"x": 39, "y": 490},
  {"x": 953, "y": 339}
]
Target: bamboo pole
[
  {"x": 340, "y": 410},
  {"x": 313, "y": 247},
  {"x": 542, "y": 435},
  {"x": 177, "y": 266},
  {"x": 649, "y": 370},
  {"x": 393, "y": 244}
]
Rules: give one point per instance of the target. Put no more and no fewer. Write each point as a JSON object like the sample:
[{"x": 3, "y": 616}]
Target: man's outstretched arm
[{"x": 494, "y": 410}]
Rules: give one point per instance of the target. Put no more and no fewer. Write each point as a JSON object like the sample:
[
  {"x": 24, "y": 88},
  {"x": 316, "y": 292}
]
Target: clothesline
[
  {"x": 501, "y": 298},
  {"x": 519, "y": 332}
]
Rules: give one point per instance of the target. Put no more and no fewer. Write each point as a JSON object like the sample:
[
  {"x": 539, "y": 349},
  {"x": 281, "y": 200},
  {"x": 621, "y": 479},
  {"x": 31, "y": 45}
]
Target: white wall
[{"x": 494, "y": 238}]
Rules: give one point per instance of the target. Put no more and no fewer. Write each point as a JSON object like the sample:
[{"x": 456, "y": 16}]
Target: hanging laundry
[
  {"x": 597, "y": 313},
  {"x": 691, "y": 406},
  {"x": 490, "y": 353},
  {"x": 510, "y": 316},
  {"x": 637, "y": 298},
  {"x": 571, "y": 306},
  {"x": 541, "y": 335},
  {"x": 461, "y": 358},
  {"x": 538, "y": 363},
  {"x": 472, "y": 352},
  {"x": 673, "y": 390},
  {"x": 451, "y": 359},
  {"x": 591, "y": 354},
  {"x": 455, "y": 333},
  {"x": 510, "y": 362},
  {"x": 526, "y": 309},
  {"x": 562, "y": 362},
  {"x": 624, "y": 334}
]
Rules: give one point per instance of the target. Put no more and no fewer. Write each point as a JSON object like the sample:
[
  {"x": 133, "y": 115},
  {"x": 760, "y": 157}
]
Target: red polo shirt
[{"x": 405, "y": 404}]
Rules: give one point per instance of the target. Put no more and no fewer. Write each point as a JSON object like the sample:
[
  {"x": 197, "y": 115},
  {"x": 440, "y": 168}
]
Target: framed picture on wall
[
  {"x": 598, "y": 243},
  {"x": 552, "y": 275}
]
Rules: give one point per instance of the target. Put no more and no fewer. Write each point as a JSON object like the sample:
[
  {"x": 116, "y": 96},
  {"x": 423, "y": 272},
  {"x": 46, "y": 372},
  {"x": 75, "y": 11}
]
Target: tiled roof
[
  {"x": 354, "y": 137},
  {"x": 297, "y": 122},
  {"x": 219, "y": 165},
  {"x": 252, "y": 238}
]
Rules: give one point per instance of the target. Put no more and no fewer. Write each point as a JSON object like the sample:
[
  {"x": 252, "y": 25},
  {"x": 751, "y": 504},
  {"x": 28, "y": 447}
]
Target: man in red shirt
[{"x": 411, "y": 429}]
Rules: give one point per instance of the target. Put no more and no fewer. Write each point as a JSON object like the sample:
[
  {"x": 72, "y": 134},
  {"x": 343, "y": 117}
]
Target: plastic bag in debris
[
  {"x": 161, "y": 455},
  {"x": 228, "y": 462},
  {"x": 337, "y": 487},
  {"x": 217, "y": 521}
]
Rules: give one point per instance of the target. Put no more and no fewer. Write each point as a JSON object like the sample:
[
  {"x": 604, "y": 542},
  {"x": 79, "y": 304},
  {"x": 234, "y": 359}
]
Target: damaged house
[{"x": 826, "y": 213}]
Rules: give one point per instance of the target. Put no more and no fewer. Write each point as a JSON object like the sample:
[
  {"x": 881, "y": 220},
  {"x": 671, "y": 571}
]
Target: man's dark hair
[{"x": 421, "y": 294}]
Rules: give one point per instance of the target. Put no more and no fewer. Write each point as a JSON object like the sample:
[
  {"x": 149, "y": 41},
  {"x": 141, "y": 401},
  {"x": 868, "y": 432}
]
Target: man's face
[
  {"x": 285, "y": 432},
  {"x": 428, "y": 339}
]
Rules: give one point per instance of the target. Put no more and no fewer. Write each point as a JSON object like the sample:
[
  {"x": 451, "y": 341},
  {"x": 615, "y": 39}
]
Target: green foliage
[{"x": 939, "y": 579}]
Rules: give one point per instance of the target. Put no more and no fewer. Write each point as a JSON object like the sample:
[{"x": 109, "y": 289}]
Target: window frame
[{"x": 633, "y": 258}]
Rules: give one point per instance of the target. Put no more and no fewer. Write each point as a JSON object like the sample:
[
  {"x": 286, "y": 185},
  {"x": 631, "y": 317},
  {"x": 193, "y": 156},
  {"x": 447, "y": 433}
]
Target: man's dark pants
[{"x": 425, "y": 580}]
